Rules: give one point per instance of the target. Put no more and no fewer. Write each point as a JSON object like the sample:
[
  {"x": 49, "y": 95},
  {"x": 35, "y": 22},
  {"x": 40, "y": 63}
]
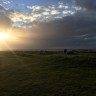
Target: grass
[{"x": 32, "y": 74}]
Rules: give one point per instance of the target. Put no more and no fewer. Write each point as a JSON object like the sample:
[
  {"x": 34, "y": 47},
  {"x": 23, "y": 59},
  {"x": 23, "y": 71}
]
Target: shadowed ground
[{"x": 32, "y": 74}]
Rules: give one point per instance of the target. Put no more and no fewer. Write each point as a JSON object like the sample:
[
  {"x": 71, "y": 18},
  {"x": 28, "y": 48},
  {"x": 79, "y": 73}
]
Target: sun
[{"x": 4, "y": 36}]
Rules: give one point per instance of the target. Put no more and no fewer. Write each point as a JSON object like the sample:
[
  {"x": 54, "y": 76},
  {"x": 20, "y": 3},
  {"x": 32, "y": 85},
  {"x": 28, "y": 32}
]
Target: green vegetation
[{"x": 34, "y": 74}]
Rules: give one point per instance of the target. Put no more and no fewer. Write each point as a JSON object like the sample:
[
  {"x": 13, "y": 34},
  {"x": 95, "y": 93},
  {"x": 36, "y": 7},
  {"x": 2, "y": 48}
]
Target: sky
[{"x": 48, "y": 24}]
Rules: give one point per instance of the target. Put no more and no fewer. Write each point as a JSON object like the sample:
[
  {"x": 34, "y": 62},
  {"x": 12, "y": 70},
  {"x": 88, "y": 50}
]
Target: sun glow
[
  {"x": 4, "y": 36},
  {"x": 11, "y": 39}
]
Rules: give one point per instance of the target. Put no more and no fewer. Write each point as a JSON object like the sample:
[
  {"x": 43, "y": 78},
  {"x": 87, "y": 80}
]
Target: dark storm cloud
[
  {"x": 89, "y": 4},
  {"x": 2, "y": 9},
  {"x": 77, "y": 24},
  {"x": 5, "y": 22},
  {"x": 75, "y": 31}
]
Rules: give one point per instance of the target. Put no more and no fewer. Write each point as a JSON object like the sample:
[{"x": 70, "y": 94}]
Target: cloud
[
  {"x": 54, "y": 12},
  {"x": 45, "y": 30},
  {"x": 6, "y": 2},
  {"x": 61, "y": 5},
  {"x": 88, "y": 4},
  {"x": 39, "y": 13},
  {"x": 23, "y": 17},
  {"x": 78, "y": 8},
  {"x": 5, "y": 22},
  {"x": 2, "y": 9},
  {"x": 52, "y": 7},
  {"x": 45, "y": 13},
  {"x": 63, "y": 32},
  {"x": 68, "y": 12},
  {"x": 36, "y": 15},
  {"x": 38, "y": 8}
]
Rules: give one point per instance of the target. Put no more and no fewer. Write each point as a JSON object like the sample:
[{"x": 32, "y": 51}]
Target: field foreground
[{"x": 34, "y": 74}]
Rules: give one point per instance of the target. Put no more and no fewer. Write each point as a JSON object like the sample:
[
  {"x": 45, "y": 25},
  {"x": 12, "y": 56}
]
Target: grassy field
[{"x": 34, "y": 74}]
